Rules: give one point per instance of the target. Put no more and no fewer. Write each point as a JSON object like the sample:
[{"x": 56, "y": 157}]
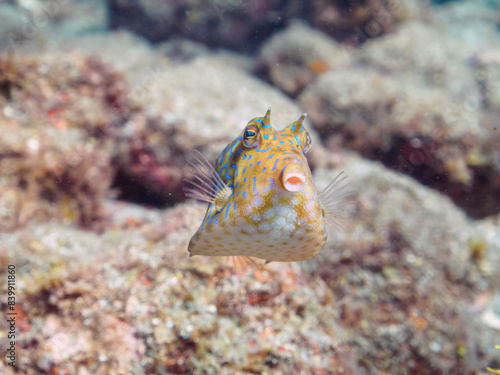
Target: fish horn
[
  {"x": 297, "y": 126},
  {"x": 301, "y": 119},
  {"x": 267, "y": 117}
]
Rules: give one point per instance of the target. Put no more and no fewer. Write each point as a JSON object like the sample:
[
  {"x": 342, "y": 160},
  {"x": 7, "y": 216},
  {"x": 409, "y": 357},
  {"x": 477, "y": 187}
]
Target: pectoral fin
[
  {"x": 203, "y": 183},
  {"x": 337, "y": 201}
]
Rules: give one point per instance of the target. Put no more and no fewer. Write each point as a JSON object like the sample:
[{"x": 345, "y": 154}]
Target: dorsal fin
[
  {"x": 202, "y": 182},
  {"x": 337, "y": 202}
]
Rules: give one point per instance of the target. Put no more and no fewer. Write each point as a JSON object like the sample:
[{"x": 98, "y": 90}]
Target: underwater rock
[
  {"x": 58, "y": 111},
  {"x": 10, "y": 24},
  {"x": 134, "y": 57},
  {"x": 429, "y": 125},
  {"x": 244, "y": 26},
  {"x": 473, "y": 22},
  {"x": 118, "y": 293},
  {"x": 406, "y": 274},
  {"x": 51, "y": 174},
  {"x": 42, "y": 23},
  {"x": 232, "y": 24},
  {"x": 293, "y": 58},
  {"x": 398, "y": 290},
  {"x": 182, "y": 50},
  {"x": 81, "y": 17},
  {"x": 487, "y": 65},
  {"x": 355, "y": 22},
  {"x": 423, "y": 53},
  {"x": 398, "y": 211}
]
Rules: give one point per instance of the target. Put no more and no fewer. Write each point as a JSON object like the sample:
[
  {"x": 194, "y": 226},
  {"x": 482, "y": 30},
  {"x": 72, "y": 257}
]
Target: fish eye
[
  {"x": 251, "y": 136},
  {"x": 308, "y": 143},
  {"x": 249, "y": 133}
]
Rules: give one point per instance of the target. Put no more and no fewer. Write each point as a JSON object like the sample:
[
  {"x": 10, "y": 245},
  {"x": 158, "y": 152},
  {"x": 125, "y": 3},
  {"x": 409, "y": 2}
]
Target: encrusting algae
[{"x": 262, "y": 200}]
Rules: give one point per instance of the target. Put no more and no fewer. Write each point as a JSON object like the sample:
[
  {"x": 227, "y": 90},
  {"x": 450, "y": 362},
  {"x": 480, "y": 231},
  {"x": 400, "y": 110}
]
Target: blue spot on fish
[
  {"x": 298, "y": 140},
  {"x": 211, "y": 218},
  {"x": 275, "y": 163},
  {"x": 225, "y": 170},
  {"x": 262, "y": 122},
  {"x": 263, "y": 150},
  {"x": 272, "y": 185},
  {"x": 235, "y": 143}
]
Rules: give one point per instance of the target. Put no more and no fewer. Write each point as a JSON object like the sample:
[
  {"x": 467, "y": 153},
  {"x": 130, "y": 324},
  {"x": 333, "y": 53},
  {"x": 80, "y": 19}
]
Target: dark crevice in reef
[
  {"x": 479, "y": 199},
  {"x": 133, "y": 191}
]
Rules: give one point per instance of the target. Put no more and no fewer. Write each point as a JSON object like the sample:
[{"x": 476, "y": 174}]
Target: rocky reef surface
[{"x": 96, "y": 124}]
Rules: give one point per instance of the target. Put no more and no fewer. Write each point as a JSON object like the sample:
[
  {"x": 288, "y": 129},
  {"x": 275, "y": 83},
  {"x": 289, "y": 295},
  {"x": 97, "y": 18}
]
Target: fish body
[{"x": 262, "y": 199}]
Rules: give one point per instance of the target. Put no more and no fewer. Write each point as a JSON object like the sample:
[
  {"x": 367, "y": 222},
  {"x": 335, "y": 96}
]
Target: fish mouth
[{"x": 293, "y": 176}]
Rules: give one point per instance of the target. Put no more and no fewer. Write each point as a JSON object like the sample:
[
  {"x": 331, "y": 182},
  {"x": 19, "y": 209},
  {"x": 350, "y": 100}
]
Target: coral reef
[
  {"x": 293, "y": 58},
  {"x": 44, "y": 22},
  {"x": 487, "y": 66},
  {"x": 93, "y": 119},
  {"x": 395, "y": 291},
  {"x": 416, "y": 272},
  {"x": 244, "y": 26},
  {"x": 49, "y": 174},
  {"x": 58, "y": 110},
  {"x": 415, "y": 112},
  {"x": 357, "y": 21},
  {"x": 234, "y": 24},
  {"x": 10, "y": 24}
]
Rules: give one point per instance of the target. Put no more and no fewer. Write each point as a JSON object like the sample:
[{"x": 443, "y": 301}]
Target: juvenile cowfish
[{"x": 262, "y": 200}]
